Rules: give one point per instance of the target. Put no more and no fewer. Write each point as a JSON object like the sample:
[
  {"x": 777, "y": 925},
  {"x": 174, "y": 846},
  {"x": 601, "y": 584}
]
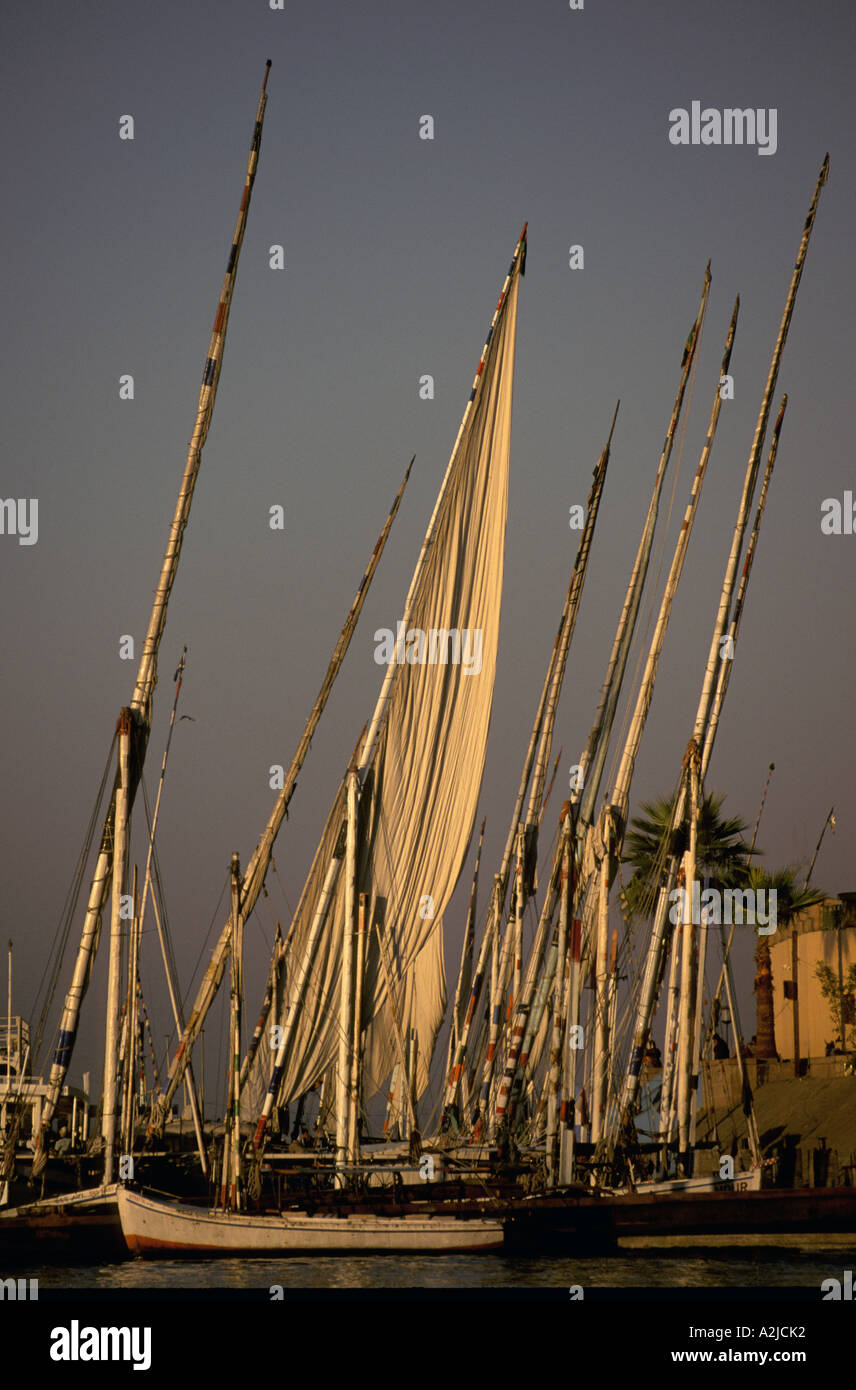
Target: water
[{"x": 805, "y": 1263}]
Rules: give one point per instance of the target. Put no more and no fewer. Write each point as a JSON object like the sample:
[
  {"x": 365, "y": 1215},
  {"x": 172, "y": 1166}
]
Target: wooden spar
[
  {"x": 829, "y": 820},
  {"x": 9, "y": 1026},
  {"x": 688, "y": 940},
  {"x": 695, "y": 1049},
  {"x": 715, "y": 658},
  {"x": 570, "y": 1051},
  {"x": 494, "y": 916},
  {"x": 276, "y": 962},
  {"x": 771, "y": 769},
  {"x": 713, "y": 703},
  {"x": 495, "y": 999},
  {"x": 513, "y": 948},
  {"x": 600, "y": 1064},
  {"x": 669, "y": 1050},
  {"x": 659, "y": 934},
  {"x": 559, "y": 1012},
  {"x": 614, "y": 817},
  {"x": 594, "y": 755},
  {"x": 528, "y": 856},
  {"x": 389, "y": 1118},
  {"x": 519, "y": 906},
  {"x": 141, "y": 703},
  {"x": 497, "y": 902},
  {"x": 745, "y": 1088},
  {"x": 621, "y": 791},
  {"x": 382, "y": 706},
  {"x": 147, "y": 675},
  {"x": 174, "y": 997},
  {"x": 127, "y": 1129},
  {"x": 8, "y": 1031},
  {"x": 612, "y": 1001},
  {"x": 346, "y": 993},
  {"x": 412, "y": 1068},
  {"x": 407, "y": 1116},
  {"x": 546, "y": 797},
  {"x": 536, "y": 991},
  {"x": 466, "y": 970},
  {"x": 298, "y": 982},
  {"x": 565, "y": 634},
  {"x": 321, "y": 909},
  {"x": 726, "y": 665},
  {"x": 260, "y": 860},
  {"x": 120, "y": 863},
  {"x": 758, "y": 444},
  {"x": 232, "y": 1139},
  {"x": 356, "y": 1044},
  {"x": 518, "y": 260}
]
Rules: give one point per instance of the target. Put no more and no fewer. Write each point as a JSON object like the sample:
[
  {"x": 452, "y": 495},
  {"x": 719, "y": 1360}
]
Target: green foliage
[
  {"x": 790, "y": 898},
  {"x": 722, "y": 855},
  {"x": 835, "y": 997}
]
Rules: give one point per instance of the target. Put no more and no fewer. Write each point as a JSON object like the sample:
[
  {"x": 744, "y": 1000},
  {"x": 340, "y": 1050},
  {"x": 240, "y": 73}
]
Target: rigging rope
[
  {"x": 53, "y": 969},
  {"x": 643, "y": 642}
]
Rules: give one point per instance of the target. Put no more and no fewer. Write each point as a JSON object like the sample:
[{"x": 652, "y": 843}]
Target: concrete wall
[{"x": 815, "y": 934}]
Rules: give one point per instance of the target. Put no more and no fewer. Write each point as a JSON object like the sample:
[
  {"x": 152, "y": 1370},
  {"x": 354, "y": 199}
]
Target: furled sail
[{"x": 422, "y": 777}]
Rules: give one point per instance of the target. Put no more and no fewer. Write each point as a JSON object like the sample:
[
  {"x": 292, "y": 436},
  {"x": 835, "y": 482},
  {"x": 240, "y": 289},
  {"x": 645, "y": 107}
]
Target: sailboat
[
  {"x": 356, "y": 990},
  {"x": 368, "y": 935}
]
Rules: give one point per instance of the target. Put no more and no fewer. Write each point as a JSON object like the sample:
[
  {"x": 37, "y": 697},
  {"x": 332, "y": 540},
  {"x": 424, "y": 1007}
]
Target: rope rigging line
[
  {"x": 157, "y": 883},
  {"x": 642, "y": 642},
  {"x": 53, "y": 969},
  {"x": 214, "y": 917}
]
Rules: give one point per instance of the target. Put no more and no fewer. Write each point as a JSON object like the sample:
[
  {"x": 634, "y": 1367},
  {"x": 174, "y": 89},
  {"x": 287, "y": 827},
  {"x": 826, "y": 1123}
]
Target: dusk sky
[{"x": 395, "y": 249}]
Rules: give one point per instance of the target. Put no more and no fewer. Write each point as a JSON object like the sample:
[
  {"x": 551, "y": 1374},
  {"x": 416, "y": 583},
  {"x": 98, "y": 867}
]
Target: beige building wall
[{"x": 814, "y": 938}]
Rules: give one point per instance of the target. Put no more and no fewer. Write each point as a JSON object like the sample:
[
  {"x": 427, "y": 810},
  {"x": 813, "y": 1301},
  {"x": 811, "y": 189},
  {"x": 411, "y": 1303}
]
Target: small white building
[
  {"x": 805, "y": 1022},
  {"x": 18, "y": 1086}
]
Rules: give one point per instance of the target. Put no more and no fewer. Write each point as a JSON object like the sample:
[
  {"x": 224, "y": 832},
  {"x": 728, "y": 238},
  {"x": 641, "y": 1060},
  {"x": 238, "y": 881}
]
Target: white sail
[{"x": 420, "y": 791}]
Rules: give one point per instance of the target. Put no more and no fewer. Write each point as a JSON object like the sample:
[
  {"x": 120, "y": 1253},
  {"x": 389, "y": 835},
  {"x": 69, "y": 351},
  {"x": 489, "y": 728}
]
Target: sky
[{"x": 395, "y": 249}]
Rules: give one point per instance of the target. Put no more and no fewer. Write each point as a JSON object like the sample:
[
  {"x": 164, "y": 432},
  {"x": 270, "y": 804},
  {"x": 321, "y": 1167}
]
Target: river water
[{"x": 803, "y": 1263}]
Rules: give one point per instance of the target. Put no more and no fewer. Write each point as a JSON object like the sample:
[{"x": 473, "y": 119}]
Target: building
[
  {"x": 18, "y": 1088},
  {"x": 807, "y": 1022}
]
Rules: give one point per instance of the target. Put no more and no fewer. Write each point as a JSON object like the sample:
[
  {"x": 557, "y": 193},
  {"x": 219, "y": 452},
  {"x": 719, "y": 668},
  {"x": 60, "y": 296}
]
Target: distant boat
[
  {"x": 158, "y": 1228},
  {"x": 356, "y": 992}
]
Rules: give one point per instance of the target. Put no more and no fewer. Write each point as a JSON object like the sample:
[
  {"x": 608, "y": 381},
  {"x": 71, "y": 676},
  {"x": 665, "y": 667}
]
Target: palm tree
[
  {"x": 790, "y": 901},
  {"x": 722, "y": 853}
]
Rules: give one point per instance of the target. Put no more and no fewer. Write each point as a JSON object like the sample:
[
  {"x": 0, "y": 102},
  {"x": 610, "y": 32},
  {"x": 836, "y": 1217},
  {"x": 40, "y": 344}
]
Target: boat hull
[
  {"x": 601, "y": 1223},
  {"x": 749, "y": 1181},
  {"x": 158, "y": 1228},
  {"x": 76, "y": 1228}
]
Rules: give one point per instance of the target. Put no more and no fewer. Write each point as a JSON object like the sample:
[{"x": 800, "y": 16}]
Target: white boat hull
[
  {"x": 750, "y": 1181},
  {"x": 162, "y": 1228},
  {"x": 90, "y": 1198}
]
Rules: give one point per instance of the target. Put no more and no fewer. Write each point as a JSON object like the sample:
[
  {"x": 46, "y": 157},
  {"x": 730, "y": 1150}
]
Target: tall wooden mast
[
  {"x": 140, "y": 710},
  {"x": 718, "y": 670},
  {"x": 260, "y": 860}
]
